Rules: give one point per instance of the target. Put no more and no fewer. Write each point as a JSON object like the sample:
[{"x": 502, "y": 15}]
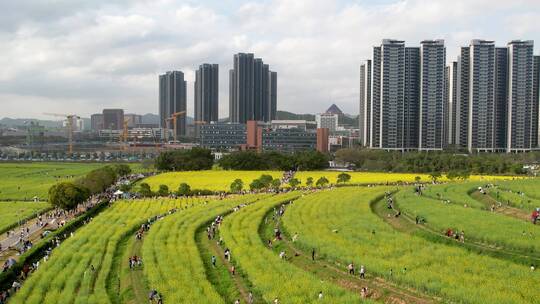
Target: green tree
[
  {"x": 185, "y": 160},
  {"x": 67, "y": 195},
  {"x": 322, "y": 181},
  {"x": 417, "y": 179},
  {"x": 163, "y": 190},
  {"x": 275, "y": 184},
  {"x": 266, "y": 180},
  {"x": 144, "y": 190},
  {"x": 184, "y": 189},
  {"x": 122, "y": 169},
  {"x": 343, "y": 178},
  {"x": 309, "y": 182},
  {"x": 294, "y": 182},
  {"x": 452, "y": 175},
  {"x": 256, "y": 184},
  {"x": 237, "y": 185},
  {"x": 310, "y": 160}
]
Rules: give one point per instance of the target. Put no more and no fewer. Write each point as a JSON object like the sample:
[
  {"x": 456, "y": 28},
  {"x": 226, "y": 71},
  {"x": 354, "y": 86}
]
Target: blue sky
[{"x": 80, "y": 56}]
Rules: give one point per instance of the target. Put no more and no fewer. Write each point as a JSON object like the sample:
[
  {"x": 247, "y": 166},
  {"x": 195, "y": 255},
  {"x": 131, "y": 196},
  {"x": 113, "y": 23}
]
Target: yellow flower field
[
  {"x": 220, "y": 180},
  {"x": 215, "y": 180}
]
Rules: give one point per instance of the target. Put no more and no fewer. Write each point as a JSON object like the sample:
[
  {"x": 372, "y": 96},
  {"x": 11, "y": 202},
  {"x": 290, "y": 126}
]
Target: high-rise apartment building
[
  {"x": 501, "y": 94},
  {"x": 451, "y": 103},
  {"x": 252, "y": 90},
  {"x": 206, "y": 93},
  {"x": 393, "y": 110},
  {"x": 364, "y": 119},
  {"x": 432, "y": 95},
  {"x": 172, "y": 99},
  {"x": 536, "y": 103},
  {"x": 113, "y": 119},
  {"x": 482, "y": 108},
  {"x": 411, "y": 106},
  {"x": 520, "y": 113}
]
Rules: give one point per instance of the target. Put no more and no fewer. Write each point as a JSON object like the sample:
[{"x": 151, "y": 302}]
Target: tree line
[
  {"x": 68, "y": 194},
  {"x": 422, "y": 162}
]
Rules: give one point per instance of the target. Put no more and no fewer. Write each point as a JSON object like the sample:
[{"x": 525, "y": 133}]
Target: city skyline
[{"x": 92, "y": 55}]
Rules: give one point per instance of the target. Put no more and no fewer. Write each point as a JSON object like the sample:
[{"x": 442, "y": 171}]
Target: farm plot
[
  {"x": 346, "y": 230},
  {"x": 273, "y": 277},
  {"x": 78, "y": 270},
  {"x": 173, "y": 264},
  {"x": 492, "y": 229}
]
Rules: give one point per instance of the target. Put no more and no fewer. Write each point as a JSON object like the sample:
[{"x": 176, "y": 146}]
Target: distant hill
[
  {"x": 344, "y": 119},
  {"x": 19, "y": 122},
  {"x": 284, "y": 115}
]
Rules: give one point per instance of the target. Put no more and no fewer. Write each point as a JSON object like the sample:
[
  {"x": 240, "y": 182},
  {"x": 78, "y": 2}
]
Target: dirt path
[
  {"x": 489, "y": 201},
  {"x": 378, "y": 288}
]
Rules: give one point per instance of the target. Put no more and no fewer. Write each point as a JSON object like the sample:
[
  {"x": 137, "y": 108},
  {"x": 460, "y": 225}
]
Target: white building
[{"x": 326, "y": 120}]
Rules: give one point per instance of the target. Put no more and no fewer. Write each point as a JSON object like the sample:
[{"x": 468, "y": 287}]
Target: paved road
[{"x": 35, "y": 230}]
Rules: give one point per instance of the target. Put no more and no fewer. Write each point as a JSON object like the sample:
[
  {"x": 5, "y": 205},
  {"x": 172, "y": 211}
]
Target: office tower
[
  {"x": 411, "y": 106},
  {"x": 206, "y": 93},
  {"x": 96, "y": 122},
  {"x": 520, "y": 96},
  {"x": 536, "y": 103},
  {"x": 450, "y": 118},
  {"x": 172, "y": 99},
  {"x": 501, "y": 93},
  {"x": 252, "y": 90},
  {"x": 365, "y": 103},
  {"x": 113, "y": 119},
  {"x": 432, "y": 93}
]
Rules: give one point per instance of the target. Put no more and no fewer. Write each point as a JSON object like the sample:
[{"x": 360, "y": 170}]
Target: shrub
[
  {"x": 144, "y": 190},
  {"x": 321, "y": 182},
  {"x": 185, "y": 160},
  {"x": 163, "y": 190},
  {"x": 343, "y": 178}
]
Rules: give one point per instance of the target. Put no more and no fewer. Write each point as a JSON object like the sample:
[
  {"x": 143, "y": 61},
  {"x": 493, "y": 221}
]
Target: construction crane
[
  {"x": 166, "y": 131},
  {"x": 69, "y": 119},
  {"x": 124, "y": 136},
  {"x": 174, "y": 117}
]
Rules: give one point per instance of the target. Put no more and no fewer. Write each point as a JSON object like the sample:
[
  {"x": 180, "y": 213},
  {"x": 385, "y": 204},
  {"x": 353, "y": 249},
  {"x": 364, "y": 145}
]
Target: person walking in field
[
  {"x": 250, "y": 298},
  {"x": 237, "y": 301},
  {"x": 320, "y": 295},
  {"x": 362, "y": 272},
  {"x": 214, "y": 261},
  {"x": 350, "y": 267},
  {"x": 313, "y": 254}
]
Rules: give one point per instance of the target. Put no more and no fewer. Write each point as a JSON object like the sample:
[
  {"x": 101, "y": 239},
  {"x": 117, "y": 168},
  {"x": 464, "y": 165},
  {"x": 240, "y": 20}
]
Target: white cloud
[{"x": 80, "y": 56}]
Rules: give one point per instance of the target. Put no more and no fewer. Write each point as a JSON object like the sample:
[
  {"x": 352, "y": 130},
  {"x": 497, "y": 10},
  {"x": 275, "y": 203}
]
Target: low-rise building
[{"x": 222, "y": 136}]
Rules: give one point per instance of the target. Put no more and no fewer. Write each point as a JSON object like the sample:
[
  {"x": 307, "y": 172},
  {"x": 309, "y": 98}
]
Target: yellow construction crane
[
  {"x": 174, "y": 117},
  {"x": 166, "y": 131},
  {"x": 124, "y": 136},
  {"x": 69, "y": 121}
]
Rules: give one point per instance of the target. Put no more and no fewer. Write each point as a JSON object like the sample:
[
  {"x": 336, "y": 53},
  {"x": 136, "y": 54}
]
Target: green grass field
[
  {"x": 346, "y": 230},
  {"x": 481, "y": 226},
  {"x": 343, "y": 225},
  {"x": 23, "y": 181},
  {"x": 13, "y": 212}
]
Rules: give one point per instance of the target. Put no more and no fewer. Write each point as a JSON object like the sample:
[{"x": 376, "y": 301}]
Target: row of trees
[
  {"x": 250, "y": 160},
  {"x": 67, "y": 195},
  {"x": 185, "y": 160},
  {"x": 184, "y": 189},
  {"x": 422, "y": 162}
]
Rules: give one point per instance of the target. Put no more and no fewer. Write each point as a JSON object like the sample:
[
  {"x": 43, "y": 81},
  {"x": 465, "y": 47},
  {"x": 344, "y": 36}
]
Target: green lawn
[
  {"x": 23, "y": 181},
  {"x": 12, "y": 212}
]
